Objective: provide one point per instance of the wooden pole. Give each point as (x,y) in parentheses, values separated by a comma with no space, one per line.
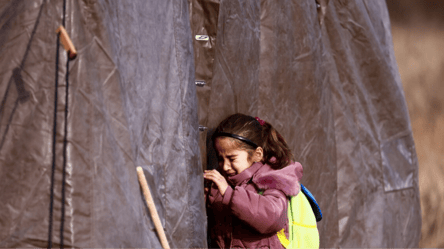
(152,208)
(67,43)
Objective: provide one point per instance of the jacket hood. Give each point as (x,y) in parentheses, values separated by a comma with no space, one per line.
(285,179)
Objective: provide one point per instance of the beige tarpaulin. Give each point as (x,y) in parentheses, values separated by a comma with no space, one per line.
(332,90)
(131,102)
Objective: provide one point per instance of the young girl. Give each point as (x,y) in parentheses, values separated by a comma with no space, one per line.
(256,176)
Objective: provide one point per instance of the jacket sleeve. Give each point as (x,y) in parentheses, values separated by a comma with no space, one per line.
(218,202)
(266,213)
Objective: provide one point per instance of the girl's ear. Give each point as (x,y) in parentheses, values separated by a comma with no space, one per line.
(258,154)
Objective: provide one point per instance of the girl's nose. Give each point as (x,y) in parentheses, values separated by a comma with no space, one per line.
(226,166)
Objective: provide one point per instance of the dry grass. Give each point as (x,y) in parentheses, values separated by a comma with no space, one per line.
(420,58)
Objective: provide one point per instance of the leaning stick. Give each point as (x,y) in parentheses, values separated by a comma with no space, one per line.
(152,208)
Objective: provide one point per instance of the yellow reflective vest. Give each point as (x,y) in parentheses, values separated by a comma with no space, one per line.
(303,213)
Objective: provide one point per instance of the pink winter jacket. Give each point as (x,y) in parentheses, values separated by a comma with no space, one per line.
(254,207)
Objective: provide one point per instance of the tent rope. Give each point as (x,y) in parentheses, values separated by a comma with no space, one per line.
(64,150)
(65,135)
(54,135)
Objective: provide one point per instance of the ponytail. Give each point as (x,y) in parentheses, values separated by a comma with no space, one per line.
(277,154)
(274,146)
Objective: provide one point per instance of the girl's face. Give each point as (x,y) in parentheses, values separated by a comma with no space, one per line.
(232,159)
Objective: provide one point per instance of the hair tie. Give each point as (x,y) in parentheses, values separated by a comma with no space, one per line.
(262,122)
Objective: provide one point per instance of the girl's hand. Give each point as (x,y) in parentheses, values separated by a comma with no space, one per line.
(218,179)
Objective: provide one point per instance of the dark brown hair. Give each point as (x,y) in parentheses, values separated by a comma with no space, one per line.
(264,136)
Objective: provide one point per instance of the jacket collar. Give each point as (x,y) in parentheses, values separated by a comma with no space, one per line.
(245,175)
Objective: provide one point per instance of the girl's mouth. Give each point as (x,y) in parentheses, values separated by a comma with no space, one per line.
(230,173)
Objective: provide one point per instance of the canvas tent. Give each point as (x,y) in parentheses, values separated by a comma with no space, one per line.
(322,72)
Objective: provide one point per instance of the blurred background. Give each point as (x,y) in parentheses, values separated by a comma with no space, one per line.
(418,37)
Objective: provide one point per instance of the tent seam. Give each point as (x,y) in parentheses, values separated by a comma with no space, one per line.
(181,79)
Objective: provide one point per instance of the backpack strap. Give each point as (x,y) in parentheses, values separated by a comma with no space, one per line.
(314,205)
